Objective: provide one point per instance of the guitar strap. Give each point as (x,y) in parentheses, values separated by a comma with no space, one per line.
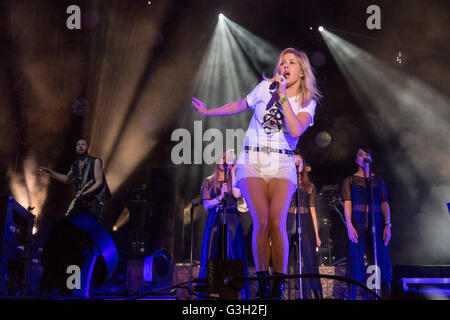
(86,173)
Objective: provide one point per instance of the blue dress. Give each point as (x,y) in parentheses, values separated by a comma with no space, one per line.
(210,243)
(356,189)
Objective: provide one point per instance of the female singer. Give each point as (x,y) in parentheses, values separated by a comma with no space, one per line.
(356,196)
(215,190)
(309,229)
(284,108)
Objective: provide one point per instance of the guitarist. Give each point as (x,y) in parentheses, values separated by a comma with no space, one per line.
(86,168)
(68,246)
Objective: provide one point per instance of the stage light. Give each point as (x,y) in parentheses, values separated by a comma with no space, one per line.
(231,67)
(323,139)
(29,189)
(80,107)
(320,28)
(117,135)
(399,58)
(221,16)
(122,220)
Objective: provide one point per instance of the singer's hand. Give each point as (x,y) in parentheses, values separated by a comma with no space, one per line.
(224,190)
(282,81)
(386,235)
(352,234)
(199,106)
(318,240)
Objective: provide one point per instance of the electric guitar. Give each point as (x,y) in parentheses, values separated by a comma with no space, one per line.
(77,196)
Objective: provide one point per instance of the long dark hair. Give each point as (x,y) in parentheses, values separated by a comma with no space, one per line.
(305,183)
(363,148)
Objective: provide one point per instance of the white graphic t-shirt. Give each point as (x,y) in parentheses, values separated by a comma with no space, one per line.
(267,127)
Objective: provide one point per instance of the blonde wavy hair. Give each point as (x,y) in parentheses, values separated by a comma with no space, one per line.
(307,89)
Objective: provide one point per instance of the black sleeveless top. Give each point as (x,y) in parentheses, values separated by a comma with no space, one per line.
(102,193)
(356,189)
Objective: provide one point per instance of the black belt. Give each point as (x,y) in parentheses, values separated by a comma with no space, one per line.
(267,150)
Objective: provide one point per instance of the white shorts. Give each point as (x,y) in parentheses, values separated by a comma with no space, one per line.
(254,164)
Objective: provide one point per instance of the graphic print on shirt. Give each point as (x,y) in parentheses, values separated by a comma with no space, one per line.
(273,121)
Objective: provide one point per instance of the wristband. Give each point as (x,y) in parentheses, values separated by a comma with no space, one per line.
(281,101)
(388,223)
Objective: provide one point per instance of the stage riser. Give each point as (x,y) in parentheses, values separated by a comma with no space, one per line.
(332,289)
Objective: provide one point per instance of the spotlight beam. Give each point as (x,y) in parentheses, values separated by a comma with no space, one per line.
(231,66)
(406,110)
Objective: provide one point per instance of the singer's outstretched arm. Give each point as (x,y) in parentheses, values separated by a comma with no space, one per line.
(226,110)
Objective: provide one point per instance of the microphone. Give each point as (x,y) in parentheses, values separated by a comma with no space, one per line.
(367,160)
(275,84)
(225,165)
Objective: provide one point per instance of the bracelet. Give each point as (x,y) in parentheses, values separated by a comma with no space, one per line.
(281,101)
(388,223)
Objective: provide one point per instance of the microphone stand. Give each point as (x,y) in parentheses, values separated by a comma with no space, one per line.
(374,237)
(223,227)
(191,272)
(299,236)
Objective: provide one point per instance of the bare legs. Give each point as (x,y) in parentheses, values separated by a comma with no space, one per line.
(255,192)
(280,195)
(268,204)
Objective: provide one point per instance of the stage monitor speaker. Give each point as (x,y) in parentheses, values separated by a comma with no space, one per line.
(77,241)
(157,267)
(16,234)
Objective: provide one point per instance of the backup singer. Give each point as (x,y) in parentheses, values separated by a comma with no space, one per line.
(284,108)
(356,196)
(215,190)
(309,230)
